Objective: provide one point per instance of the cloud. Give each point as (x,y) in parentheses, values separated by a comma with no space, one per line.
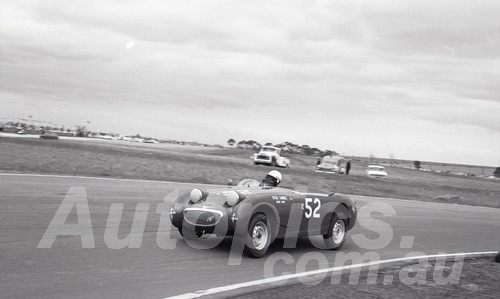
(432,28)
(364,72)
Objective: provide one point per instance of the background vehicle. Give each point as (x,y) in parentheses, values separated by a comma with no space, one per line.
(376,171)
(332,164)
(270,155)
(258,215)
(49,135)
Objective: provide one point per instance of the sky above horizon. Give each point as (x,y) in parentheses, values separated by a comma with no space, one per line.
(419,80)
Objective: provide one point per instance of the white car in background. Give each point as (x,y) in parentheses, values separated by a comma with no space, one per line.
(270,155)
(376,171)
(106,137)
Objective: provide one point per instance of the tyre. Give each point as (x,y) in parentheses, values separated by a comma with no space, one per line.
(337,234)
(259,236)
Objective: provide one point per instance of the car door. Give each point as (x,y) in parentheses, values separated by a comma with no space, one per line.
(312,213)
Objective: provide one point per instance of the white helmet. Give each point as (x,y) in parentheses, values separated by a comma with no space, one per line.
(275,174)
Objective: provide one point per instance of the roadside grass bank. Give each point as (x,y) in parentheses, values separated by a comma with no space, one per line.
(216,166)
(478,279)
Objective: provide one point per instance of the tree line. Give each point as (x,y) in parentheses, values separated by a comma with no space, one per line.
(286,147)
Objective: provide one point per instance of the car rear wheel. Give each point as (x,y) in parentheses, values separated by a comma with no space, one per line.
(337,234)
(259,236)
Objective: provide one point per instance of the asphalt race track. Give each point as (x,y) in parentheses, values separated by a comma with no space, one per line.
(66,270)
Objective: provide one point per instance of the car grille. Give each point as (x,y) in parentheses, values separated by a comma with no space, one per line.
(263,157)
(202,217)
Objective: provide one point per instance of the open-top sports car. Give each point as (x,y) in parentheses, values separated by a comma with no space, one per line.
(257,215)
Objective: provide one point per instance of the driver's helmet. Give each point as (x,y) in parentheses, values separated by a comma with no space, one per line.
(273,179)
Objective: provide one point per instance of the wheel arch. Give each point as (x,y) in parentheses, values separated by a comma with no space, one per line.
(272,216)
(271,213)
(342,211)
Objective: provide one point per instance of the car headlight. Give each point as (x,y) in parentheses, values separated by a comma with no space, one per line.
(196,195)
(233,197)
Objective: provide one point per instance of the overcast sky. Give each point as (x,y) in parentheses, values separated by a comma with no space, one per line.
(416,79)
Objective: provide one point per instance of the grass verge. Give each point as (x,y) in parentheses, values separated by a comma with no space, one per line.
(215,166)
(477,278)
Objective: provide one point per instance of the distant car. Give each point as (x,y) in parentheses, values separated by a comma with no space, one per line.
(49,135)
(106,137)
(376,171)
(257,215)
(332,164)
(151,141)
(270,155)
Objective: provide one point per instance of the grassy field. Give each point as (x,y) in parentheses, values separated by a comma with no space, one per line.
(433,166)
(215,165)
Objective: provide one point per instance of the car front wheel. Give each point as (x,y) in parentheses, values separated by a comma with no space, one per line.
(259,236)
(336,235)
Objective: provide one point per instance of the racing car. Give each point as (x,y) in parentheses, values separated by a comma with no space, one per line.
(258,214)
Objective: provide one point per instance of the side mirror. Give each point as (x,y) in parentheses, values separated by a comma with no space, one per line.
(229,182)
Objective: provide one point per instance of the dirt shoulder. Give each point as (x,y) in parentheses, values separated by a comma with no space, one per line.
(475,277)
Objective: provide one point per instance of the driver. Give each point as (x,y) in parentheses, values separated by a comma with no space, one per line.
(272,179)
